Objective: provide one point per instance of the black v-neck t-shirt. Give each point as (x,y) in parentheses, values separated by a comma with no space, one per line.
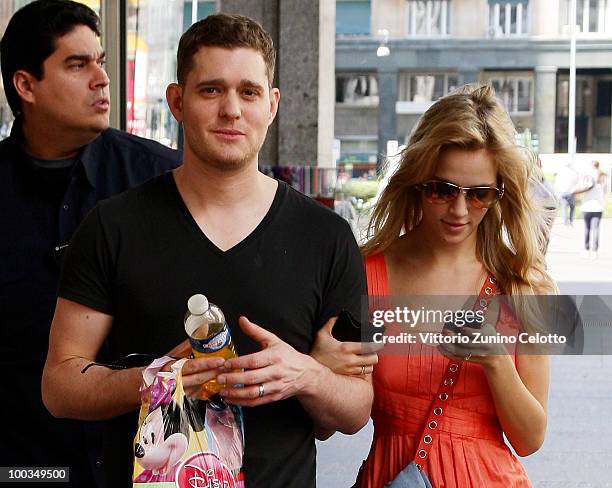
(141,255)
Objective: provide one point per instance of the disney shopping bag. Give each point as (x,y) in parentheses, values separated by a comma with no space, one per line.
(185,442)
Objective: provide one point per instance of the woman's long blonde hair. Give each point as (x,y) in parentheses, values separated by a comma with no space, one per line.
(511,235)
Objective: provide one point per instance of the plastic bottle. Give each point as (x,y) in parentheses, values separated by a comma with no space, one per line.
(209,335)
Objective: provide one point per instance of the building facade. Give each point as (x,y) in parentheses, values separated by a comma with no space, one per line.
(521,47)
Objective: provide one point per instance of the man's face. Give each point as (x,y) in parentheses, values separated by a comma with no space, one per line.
(225,106)
(73,93)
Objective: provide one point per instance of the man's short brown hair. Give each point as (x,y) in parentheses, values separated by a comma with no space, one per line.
(224,30)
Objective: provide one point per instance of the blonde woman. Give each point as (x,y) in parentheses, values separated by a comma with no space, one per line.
(454,219)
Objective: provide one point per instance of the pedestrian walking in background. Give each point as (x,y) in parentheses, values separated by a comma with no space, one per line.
(544,193)
(592,207)
(565,181)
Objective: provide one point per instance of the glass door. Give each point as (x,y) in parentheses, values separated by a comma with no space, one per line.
(154,28)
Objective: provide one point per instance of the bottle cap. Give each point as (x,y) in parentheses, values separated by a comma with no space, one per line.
(197,304)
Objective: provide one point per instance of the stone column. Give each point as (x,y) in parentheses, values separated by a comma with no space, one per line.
(327,83)
(112,40)
(547,17)
(298,75)
(544,107)
(266,13)
(387,116)
(302,133)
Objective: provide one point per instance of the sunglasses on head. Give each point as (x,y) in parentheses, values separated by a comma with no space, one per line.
(436,191)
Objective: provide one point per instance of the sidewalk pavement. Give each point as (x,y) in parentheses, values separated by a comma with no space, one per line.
(574,273)
(577,452)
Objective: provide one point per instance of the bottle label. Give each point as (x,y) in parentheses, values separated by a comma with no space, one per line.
(213,343)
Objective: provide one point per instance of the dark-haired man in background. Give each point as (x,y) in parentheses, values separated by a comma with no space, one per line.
(59,161)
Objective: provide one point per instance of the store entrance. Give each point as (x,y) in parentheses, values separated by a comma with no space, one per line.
(593,111)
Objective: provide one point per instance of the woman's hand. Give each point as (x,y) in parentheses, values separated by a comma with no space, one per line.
(483,347)
(348,358)
(480,344)
(519,390)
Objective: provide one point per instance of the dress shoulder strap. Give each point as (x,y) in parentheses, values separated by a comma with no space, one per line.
(437,408)
(376,275)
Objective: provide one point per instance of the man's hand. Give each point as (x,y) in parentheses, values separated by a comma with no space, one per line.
(198,371)
(182,350)
(195,371)
(276,372)
(347,358)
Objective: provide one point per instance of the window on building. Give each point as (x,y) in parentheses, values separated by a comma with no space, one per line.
(204,9)
(590,15)
(592,132)
(428,17)
(582,100)
(604,98)
(508,18)
(601,123)
(515,92)
(358,149)
(425,87)
(357,89)
(353,17)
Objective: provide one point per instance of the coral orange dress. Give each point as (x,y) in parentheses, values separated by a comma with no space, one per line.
(468,449)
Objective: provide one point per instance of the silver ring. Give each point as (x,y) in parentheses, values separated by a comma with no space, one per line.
(363,370)
(262,392)
(467,358)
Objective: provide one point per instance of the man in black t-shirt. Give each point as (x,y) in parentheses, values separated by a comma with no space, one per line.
(279,265)
(60,159)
